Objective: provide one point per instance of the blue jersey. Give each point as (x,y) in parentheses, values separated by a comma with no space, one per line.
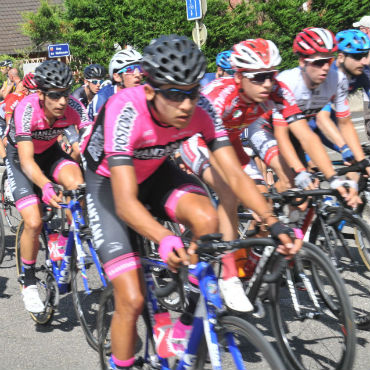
(99,99)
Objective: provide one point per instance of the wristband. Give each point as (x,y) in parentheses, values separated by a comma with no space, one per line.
(299,170)
(168,244)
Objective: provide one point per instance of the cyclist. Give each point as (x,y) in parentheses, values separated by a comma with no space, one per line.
(35,160)
(94,75)
(353,52)
(124,71)
(223,68)
(127,167)
(27,86)
(314,84)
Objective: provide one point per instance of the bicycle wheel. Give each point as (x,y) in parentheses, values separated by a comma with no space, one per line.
(364,211)
(46,284)
(254,350)
(86,300)
(309,333)
(350,240)
(11,214)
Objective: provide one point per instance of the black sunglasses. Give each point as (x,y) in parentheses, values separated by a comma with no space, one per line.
(358,56)
(56,95)
(179,95)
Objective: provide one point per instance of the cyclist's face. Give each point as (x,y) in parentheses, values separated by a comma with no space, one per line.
(55,107)
(94,87)
(132,79)
(173,113)
(354,63)
(256,84)
(316,67)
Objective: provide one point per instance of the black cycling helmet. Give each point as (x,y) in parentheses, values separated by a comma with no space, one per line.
(94,71)
(53,74)
(173,60)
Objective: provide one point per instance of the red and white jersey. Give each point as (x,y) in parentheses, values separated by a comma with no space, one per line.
(236,114)
(333,90)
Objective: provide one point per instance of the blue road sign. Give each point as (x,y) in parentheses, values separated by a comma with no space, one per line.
(193,10)
(59,50)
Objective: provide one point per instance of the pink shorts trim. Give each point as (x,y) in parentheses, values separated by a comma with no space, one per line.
(27,262)
(120,265)
(27,201)
(175,196)
(270,154)
(63,163)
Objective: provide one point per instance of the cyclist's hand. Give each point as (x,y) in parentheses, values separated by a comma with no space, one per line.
(172,251)
(347,154)
(50,196)
(304,180)
(347,189)
(291,239)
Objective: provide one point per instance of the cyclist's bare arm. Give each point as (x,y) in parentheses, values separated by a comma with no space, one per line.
(329,128)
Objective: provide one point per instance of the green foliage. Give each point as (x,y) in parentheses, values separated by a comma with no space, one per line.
(92,27)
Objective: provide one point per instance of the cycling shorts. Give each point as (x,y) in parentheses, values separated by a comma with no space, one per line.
(261,139)
(160,193)
(24,191)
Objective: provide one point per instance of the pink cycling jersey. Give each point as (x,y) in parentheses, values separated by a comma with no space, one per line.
(29,122)
(125,133)
(280,109)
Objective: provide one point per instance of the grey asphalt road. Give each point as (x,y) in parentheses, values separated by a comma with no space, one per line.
(61,345)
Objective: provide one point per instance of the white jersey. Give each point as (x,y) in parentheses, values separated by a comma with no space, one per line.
(334,90)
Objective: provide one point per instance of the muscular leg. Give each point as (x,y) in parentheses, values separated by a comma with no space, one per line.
(128,303)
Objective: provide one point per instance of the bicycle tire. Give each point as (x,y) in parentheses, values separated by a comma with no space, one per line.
(47,286)
(351,236)
(364,211)
(86,304)
(319,338)
(256,351)
(11,214)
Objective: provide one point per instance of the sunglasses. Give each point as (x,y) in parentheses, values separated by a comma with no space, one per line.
(178,95)
(96,82)
(56,95)
(260,77)
(131,69)
(320,62)
(358,56)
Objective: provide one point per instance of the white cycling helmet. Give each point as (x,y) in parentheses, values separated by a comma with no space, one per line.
(122,59)
(254,54)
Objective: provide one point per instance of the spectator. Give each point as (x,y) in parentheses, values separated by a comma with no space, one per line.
(363,24)
(5,66)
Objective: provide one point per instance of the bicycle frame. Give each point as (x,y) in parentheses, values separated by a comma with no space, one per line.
(61,270)
(209,308)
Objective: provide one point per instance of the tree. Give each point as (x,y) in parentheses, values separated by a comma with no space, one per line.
(93,27)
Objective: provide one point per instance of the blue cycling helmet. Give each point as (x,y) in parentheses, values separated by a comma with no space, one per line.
(352,42)
(223,59)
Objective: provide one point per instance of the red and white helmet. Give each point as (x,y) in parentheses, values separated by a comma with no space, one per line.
(314,40)
(254,54)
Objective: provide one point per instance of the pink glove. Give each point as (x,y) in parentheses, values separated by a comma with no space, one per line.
(48,192)
(168,244)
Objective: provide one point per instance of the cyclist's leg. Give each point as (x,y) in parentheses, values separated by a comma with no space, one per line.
(121,264)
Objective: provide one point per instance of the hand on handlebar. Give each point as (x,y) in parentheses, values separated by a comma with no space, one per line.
(347,189)
(172,251)
(289,246)
(51,194)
